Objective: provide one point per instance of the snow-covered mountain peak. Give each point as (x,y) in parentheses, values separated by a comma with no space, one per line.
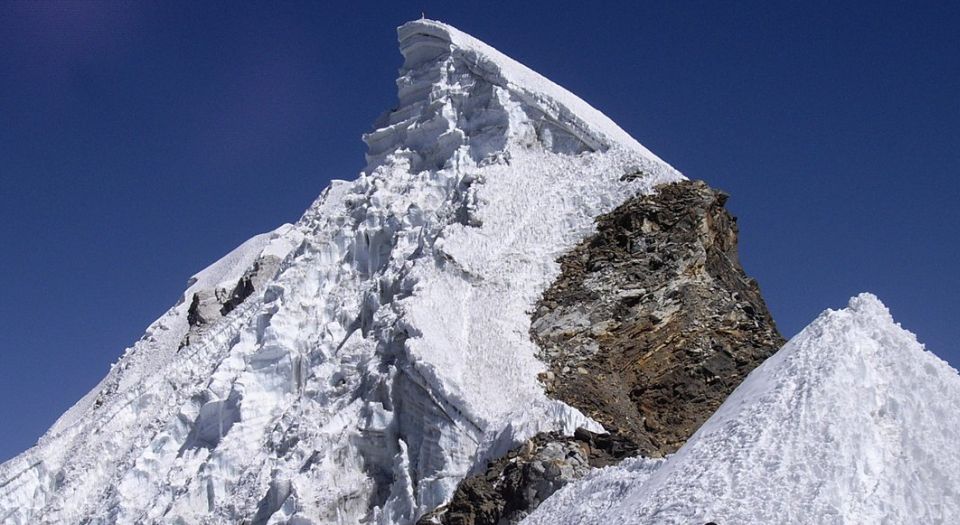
(461,102)
(870,307)
(359,365)
(852,421)
(355,366)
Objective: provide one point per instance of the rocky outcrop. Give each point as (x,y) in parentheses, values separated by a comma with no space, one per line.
(653,321)
(209,305)
(650,326)
(515,484)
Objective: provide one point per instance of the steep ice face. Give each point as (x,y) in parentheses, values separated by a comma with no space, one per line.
(455,91)
(379,349)
(851,422)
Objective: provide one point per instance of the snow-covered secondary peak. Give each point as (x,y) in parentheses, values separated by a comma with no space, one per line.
(355,366)
(852,421)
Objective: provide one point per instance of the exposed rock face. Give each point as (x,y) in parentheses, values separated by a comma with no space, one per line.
(516,484)
(653,321)
(650,326)
(207,306)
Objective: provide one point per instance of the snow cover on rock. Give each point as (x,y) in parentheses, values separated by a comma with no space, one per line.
(852,421)
(387,354)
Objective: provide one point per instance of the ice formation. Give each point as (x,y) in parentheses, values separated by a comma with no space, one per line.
(852,421)
(354,366)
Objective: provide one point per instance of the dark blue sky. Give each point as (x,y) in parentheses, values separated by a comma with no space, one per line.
(141,141)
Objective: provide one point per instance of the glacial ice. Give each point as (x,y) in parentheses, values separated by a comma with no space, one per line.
(852,421)
(384,351)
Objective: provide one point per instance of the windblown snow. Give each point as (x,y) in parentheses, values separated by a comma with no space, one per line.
(383,351)
(852,421)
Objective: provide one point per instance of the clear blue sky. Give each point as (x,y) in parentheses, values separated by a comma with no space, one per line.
(141,141)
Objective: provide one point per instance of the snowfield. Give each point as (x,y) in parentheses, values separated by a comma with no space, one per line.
(386,353)
(852,421)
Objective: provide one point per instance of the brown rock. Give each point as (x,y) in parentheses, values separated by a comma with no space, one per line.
(650,326)
(682,322)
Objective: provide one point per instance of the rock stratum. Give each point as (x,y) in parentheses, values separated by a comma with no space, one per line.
(653,321)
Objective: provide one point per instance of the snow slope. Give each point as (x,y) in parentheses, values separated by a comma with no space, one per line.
(387,354)
(851,422)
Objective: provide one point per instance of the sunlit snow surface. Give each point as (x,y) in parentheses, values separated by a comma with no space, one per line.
(851,422)
(389,355)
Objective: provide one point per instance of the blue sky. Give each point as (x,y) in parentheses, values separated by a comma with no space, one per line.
(141,141)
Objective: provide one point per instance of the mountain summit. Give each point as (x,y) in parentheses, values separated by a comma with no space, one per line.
(355,366)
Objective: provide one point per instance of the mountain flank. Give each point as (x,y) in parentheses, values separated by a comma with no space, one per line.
(650,326)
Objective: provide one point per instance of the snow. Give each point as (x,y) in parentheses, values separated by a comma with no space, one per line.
(171,327)
(555,102)
(231,266)
(388,355)
(596,493)
(28,481)
(852,421)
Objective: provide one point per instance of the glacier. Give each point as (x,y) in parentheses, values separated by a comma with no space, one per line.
(354,366)
(852,421)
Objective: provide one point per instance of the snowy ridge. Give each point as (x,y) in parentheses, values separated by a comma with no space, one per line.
(143,375)
(172,325)
(387,352)
(851,422)
(423,40)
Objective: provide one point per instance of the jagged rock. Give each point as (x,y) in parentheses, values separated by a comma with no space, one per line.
(206,306)
(650,326)
(653,321)
(515,484)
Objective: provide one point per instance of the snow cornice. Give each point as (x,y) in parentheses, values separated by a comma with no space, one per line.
(423,40)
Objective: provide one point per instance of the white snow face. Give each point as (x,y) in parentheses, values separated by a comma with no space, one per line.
(851,422)
(388,353)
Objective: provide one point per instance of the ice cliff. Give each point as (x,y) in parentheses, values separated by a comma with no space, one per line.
(355,366)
